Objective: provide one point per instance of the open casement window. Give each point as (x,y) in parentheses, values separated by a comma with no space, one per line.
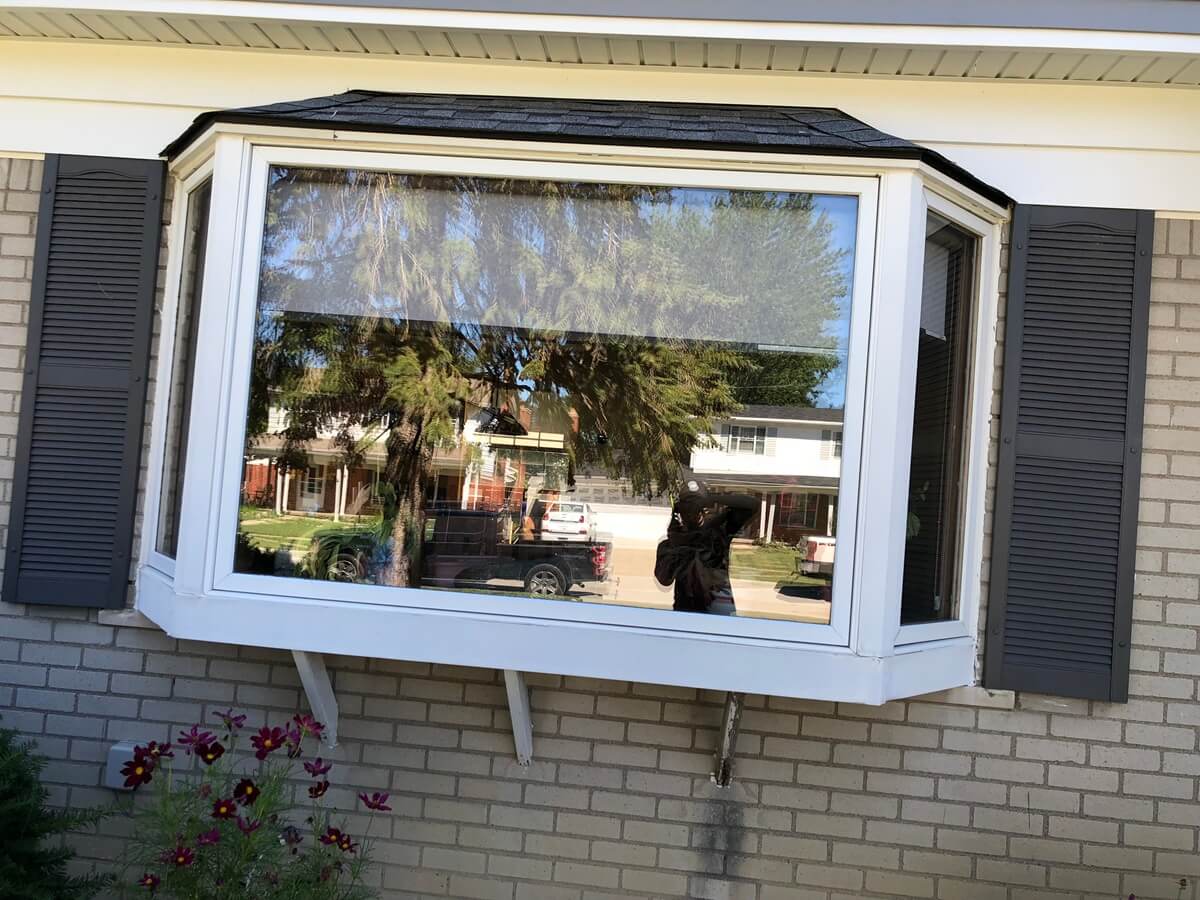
(528,410)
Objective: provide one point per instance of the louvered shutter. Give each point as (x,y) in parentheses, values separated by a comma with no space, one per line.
(772,439)
(1061,596)
(826,444)
(82,401)
(724,438)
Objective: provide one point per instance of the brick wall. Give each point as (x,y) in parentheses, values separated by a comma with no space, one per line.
(959,796)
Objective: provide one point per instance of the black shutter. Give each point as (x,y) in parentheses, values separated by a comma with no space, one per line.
(83,398)
(1060,604)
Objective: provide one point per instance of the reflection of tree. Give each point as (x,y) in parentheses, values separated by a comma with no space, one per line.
(389,301)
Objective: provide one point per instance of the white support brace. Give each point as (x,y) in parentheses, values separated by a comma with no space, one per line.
(319,691)
(518,710)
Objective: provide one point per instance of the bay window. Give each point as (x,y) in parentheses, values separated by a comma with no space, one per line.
(492,406)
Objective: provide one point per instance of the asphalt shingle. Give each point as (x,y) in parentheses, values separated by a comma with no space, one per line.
(811,130)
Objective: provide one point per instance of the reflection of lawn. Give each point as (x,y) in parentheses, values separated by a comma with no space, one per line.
(286,532)
(775,564)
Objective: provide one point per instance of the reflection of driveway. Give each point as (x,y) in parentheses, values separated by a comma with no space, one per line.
(632,583)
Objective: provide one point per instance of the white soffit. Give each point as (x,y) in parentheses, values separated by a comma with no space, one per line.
(1038,55)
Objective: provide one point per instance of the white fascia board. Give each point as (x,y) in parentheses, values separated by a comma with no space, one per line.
(635,27)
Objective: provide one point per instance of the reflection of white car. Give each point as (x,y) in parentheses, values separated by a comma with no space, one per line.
(568,521)
(818,559)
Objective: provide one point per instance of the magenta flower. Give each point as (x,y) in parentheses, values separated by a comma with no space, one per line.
(155,751)
(376,801)
(224,809)
(309,726)
(150,882)
(183,856)
(317,767)
(248,828)
(346,845)
(209,753)
(317,791)
(293,737)
(267,741)
(205,838)
(190,739)
(233,723)
(331,836)
(246,792)
(138,771)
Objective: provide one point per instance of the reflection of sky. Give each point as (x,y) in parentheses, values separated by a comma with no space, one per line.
(760,324)
(842,212)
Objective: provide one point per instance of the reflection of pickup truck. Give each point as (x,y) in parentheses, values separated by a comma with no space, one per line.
(463,548)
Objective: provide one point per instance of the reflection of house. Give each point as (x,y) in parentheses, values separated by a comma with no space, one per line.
(789,456)
(494,459)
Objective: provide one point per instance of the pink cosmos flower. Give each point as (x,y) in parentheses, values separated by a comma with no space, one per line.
(267,741)
(376,801)
(317,767)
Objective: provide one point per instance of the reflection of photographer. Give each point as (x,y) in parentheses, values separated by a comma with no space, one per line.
(695,554)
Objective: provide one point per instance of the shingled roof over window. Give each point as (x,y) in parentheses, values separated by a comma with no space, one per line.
(778,129)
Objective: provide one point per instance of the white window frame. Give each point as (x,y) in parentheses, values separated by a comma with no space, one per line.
(855,657)
(172,297)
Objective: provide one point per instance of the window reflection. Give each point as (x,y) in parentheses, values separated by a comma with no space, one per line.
(594,392)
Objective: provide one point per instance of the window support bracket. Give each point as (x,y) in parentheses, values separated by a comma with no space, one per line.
(519,712)
(319,691)
(727,738)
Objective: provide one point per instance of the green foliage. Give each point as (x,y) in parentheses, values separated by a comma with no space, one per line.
(33,863)
(205,836)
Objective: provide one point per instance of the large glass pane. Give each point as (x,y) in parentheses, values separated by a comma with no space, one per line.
(601,393)
(939,419)
(183,364)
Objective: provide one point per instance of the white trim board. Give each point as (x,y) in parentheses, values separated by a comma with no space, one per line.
(646,27)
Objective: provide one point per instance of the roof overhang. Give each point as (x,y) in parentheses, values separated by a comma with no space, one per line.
(1155,42)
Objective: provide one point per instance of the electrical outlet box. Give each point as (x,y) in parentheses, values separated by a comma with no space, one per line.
(118,754)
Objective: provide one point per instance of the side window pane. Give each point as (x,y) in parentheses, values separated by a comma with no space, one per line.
(936,471)
(182,369)
(556,389)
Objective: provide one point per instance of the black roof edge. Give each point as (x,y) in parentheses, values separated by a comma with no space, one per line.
(932,158)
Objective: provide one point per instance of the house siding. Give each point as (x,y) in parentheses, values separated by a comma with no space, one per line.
(965,795)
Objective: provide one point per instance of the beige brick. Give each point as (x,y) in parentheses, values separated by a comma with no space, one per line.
(937,863)
(900,833)
(936,813)
(900,885)
(1010,770)
(1118,858)
(1051,750)
(1160,837)
(972,791)
(1126,758)
(1020,822)
(1086,830)
(1170,787)
(1119,808)
(1010,873)
(1042,850)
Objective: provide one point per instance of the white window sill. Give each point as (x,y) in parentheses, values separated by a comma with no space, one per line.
(687,659)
